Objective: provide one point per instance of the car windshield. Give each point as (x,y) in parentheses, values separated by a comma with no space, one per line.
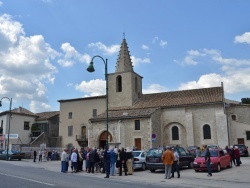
(213,153)
(136,153)
(241,146)
(155,152)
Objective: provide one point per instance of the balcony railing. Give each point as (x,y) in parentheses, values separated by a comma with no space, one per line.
(81,138)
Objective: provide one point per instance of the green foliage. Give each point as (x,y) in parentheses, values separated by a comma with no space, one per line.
(245,100)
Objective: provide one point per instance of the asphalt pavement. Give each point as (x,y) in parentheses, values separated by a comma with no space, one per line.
(233,177)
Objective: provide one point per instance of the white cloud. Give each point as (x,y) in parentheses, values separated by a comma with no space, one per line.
(163,43)
(108,50)
(245,38)
(25,63)
(154,88)
(145,47)
(136,61)
(71,56)
(36,107)
(155,39)
(234,73)
(93,87)
(1,3)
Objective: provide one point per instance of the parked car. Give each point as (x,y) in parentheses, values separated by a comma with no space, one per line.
(192,150)
(219,159)
(154,158)
(12,154)
(242,149)
(139,161)
(213,146)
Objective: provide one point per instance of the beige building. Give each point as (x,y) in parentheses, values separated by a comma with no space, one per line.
(185,118)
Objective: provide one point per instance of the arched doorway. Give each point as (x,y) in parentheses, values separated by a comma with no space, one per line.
(102,139)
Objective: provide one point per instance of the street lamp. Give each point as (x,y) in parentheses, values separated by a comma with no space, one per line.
(91,69)
(8,141)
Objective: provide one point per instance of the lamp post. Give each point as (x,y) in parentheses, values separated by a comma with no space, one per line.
(8,141)
(91,69)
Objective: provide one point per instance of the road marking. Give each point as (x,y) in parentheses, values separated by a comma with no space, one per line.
(27,179)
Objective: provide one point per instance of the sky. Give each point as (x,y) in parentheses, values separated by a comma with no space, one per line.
(46,46)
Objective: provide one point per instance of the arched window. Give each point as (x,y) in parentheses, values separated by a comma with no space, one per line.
(175,133)
(233,117)
(119,84)
(206,132)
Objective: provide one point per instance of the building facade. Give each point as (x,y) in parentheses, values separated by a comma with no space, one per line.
(186,118)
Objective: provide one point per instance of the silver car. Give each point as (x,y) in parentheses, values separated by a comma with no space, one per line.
(139,160)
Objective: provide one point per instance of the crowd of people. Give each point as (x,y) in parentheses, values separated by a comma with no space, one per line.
(97,160)
(46,155)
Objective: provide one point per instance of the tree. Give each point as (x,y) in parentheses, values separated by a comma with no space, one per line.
(245,100)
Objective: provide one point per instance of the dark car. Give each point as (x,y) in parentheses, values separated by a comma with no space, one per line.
(12,154)
(154,158)
(242,149)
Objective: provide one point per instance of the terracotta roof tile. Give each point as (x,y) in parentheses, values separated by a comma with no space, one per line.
(46,115)
(148,103)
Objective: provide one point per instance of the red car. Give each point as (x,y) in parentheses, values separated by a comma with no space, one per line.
(219,159)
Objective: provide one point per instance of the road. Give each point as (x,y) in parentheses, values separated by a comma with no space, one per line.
(26,174)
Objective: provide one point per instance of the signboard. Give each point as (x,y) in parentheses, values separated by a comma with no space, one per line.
(11,136)
(153,137)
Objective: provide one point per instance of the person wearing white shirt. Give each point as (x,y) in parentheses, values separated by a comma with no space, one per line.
(175,165)
(74,160)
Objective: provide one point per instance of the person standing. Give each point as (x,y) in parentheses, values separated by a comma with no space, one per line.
(34,156)
(74,161)
(168,159)
(40,153)
(106,158)
(232,154)
(208,162)
(175,166)
(112,162)
(129,162)
(123,159)
(237,155)
(64,157)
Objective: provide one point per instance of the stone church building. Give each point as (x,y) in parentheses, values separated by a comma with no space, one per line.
(186,118)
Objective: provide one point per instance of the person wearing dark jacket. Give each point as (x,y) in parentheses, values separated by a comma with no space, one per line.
(208,162)
(106,158)
(92,157)
(35,154)
(123,159)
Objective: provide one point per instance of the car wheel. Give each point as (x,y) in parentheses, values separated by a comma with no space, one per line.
(152,170)
(143,167)
(196,170)
(19,159)
(190,165)
(218,168)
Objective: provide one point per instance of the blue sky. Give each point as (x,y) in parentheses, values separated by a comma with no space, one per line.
(46,46)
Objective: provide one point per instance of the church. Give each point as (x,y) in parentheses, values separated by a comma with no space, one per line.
(185,118)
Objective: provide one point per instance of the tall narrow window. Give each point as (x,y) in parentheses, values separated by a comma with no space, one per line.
(26,125)
(137,125)
(70,130)
(119,84)
(70,115)
(175,133)
(248,135)
(136,85)
(233,117)
(94,112)
(206,132)
(1,127)
(84,132)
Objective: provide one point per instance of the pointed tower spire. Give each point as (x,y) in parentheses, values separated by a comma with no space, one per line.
(124,62)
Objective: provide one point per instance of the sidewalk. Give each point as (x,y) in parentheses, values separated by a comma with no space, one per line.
(236,176)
